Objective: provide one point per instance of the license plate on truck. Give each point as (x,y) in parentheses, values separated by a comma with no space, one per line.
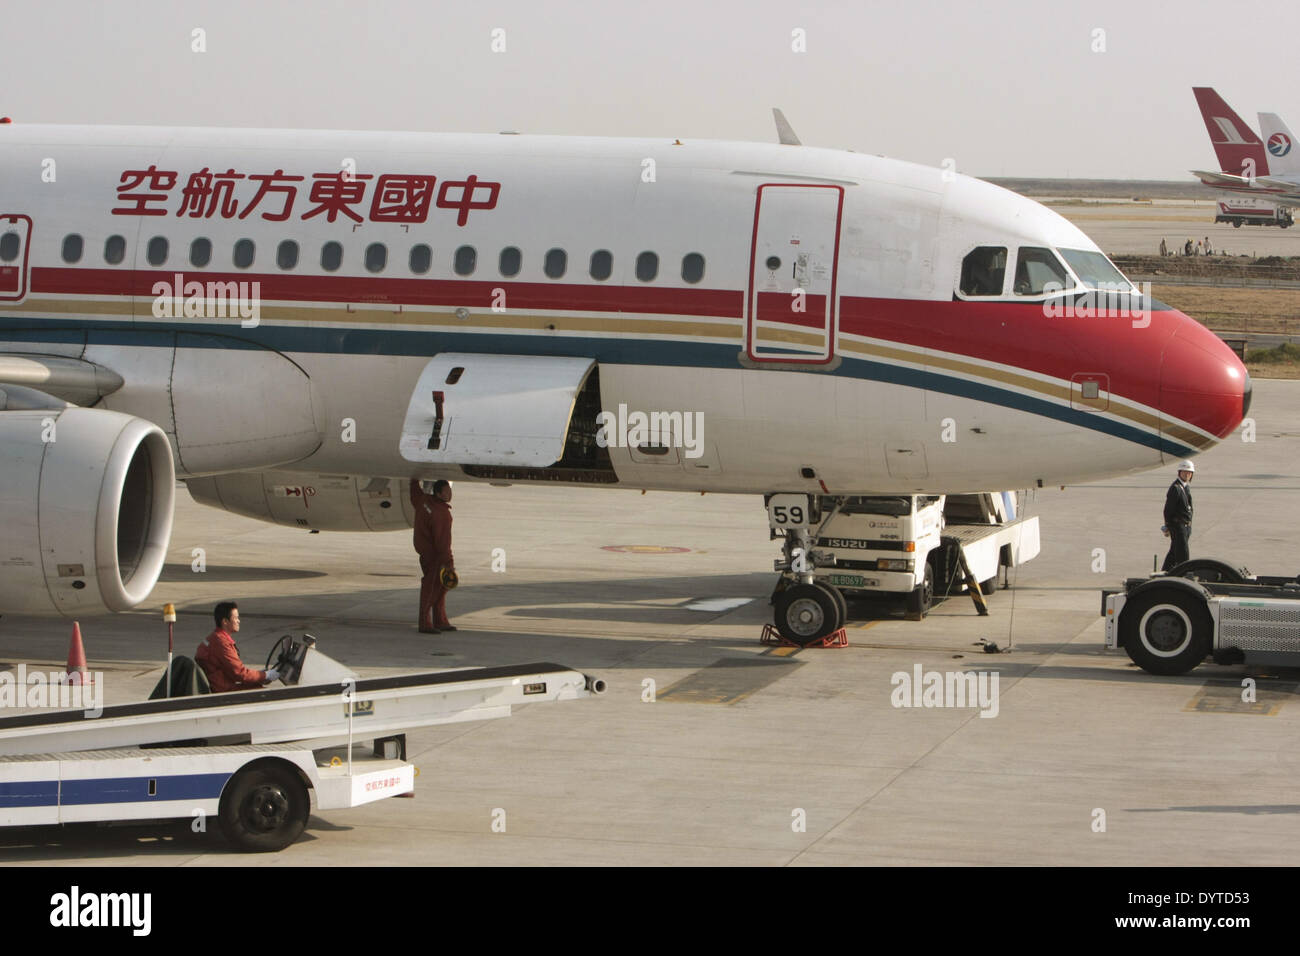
(852,581)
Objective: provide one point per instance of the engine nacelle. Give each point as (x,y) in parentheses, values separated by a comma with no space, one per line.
(317,502)
(86,499)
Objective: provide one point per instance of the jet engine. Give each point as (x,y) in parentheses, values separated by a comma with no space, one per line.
(86,500)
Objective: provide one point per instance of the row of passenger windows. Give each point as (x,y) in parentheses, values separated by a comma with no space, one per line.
(464,261)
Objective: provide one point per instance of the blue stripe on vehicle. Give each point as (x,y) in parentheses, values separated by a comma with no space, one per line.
(621,350)
(191,786)
(29,793)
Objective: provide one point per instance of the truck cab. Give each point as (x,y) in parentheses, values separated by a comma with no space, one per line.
(914,545)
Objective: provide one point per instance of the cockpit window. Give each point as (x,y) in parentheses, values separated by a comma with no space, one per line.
(983,271)
(1036,268)
(1095,271)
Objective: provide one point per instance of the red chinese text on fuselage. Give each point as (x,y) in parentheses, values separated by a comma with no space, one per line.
(393,197)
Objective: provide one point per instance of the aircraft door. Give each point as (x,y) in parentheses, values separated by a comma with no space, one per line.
(15,239)
(791,306)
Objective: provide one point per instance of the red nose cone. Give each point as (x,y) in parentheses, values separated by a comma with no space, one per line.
(1203,384)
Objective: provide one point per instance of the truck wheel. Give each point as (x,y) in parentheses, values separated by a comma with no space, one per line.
(1166,631)
(264,808)
(920,600)
(840,601)
(806,613)
(1208,569)
(1236,224)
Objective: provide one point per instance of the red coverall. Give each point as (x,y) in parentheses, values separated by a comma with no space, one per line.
(433,544)
(219,658)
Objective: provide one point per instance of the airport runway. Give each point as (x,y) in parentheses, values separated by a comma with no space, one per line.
(741,743)
(1123,227)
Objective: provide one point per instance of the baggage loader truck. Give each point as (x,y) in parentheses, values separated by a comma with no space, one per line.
(916,546)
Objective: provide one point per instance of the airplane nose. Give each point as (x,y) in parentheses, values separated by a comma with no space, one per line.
(1204,388)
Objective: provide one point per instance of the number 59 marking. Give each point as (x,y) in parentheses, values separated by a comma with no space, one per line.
(789,511)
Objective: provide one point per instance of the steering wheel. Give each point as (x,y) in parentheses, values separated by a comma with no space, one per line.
(285,656)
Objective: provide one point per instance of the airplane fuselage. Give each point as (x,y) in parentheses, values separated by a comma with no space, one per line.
(805,306)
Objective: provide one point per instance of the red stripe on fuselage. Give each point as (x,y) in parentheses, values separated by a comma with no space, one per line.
(428,292)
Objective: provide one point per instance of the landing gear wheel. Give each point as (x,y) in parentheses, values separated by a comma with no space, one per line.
(921,599)
(840,601)
(1208,569)
(264,808)
(806,613)
(1166,631)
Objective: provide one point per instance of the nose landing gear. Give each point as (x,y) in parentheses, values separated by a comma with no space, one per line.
(805,610)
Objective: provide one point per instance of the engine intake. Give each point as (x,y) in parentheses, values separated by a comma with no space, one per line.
(86,499)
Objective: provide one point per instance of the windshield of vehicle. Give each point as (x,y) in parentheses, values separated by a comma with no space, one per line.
(1095,271)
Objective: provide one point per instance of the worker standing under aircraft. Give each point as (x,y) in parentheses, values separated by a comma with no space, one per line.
(1178,517)
(433,544)
(218,655)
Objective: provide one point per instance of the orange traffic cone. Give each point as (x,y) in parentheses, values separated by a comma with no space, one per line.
(77,672)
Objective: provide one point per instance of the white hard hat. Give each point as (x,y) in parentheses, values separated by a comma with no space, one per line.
(1187,466)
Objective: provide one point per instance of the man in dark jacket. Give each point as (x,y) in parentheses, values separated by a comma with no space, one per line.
(218,655)
(1178,517)
(433,544)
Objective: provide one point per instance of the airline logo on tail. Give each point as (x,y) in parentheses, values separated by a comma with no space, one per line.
(1238,149)
(1279,144)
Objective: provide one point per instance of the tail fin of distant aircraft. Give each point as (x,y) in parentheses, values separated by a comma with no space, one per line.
(1283,157)
(1235,143)
(784,131)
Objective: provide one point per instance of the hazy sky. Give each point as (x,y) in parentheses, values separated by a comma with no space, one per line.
(1005,88)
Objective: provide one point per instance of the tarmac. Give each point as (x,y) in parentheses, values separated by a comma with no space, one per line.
(710,748)
(1123,227)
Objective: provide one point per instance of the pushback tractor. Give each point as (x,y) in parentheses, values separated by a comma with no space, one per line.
(1169,623)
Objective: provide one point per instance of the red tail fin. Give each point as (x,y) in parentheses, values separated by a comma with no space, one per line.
(1239,150)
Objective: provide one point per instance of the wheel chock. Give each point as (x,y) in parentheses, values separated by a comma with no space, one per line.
(771,635)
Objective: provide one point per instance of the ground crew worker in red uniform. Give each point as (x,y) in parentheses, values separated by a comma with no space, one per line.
(218,655)
(433,544)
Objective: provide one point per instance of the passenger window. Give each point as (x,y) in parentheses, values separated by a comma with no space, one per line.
(647,266)
(286,254)
(376,257)
(244,252)
(9,245)
(465,260)
(983,271)
(693,267)
(72,248)
(1035,268)
(200,252)
(602,265)
(510,262)
(557,260)
(331,256)
(114,250)
(156,251)
(421,259)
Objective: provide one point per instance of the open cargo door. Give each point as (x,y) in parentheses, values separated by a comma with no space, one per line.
(470,409)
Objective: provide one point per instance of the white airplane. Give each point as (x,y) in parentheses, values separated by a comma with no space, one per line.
(1246,163)
(279,316)
(1283,157)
